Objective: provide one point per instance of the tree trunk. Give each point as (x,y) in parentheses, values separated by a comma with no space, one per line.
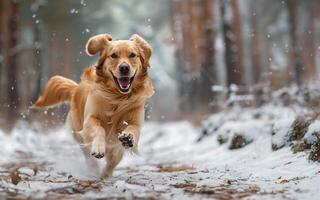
(232,49)
(309,54)
(66,60)
(53,57)
(207,59)
(12,67)
(316,13)
(296,50)
(188,81)
(193,27)
(1,51)
(237,30)
(5,45)
(37,54)
(182,26)
(255,49)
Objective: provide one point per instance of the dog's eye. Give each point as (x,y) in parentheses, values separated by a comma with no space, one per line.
(132,55)
(114,55)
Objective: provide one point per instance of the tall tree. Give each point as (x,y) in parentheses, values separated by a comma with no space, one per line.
(309,53)
(12,100)
(206,37)
(188,83)
(5,43)
(66,60)
(194,31)
(255,44)
(231,27)
(179,28)
(1,50)
(293,34)
(9,30)
(238,44)
(37,54)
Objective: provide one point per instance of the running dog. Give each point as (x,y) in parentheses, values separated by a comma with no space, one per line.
(107,106)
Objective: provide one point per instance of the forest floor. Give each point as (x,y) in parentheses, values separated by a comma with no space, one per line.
(171,165)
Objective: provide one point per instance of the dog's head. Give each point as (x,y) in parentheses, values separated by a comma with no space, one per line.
(122,61)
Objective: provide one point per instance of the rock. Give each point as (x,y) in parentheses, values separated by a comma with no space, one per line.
(311,96)
(276,147)
(315,151)
(285,98)
(299,147)
(284,134)
(280,133)
(239,141)
(298,128)
(204,133)
(209,128)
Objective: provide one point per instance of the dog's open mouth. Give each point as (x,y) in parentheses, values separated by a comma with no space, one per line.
(124,83)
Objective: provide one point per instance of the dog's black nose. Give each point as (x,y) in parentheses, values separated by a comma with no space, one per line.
(124,69)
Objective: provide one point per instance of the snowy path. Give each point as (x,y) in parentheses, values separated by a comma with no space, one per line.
(171,165)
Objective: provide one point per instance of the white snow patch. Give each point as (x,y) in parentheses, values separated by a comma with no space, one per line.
(175,144)
(313,132)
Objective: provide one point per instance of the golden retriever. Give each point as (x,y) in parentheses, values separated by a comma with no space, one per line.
(107,107)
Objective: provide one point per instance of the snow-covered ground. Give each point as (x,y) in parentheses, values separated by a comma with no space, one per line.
(171,163)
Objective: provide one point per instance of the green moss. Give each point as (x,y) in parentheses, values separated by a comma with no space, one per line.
(222,139)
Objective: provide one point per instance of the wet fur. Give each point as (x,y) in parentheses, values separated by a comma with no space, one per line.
(100,114)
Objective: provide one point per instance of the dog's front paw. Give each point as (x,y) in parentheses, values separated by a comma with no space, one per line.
(98,148)
(126,139)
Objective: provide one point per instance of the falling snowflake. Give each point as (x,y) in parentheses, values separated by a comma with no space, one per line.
(83,3)
(74,11)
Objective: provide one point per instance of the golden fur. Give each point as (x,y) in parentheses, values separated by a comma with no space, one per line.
(100,112)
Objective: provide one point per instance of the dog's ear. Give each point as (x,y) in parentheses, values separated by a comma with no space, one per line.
(97,43)
(145,49)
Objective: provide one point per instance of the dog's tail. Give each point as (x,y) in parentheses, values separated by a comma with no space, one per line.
(58,90)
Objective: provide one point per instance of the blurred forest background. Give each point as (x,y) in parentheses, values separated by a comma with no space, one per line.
(208,54)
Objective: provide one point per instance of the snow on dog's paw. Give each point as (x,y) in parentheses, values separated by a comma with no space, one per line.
(126,139)
(98,148)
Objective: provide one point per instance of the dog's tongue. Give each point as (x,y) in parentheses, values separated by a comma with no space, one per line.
(124,82)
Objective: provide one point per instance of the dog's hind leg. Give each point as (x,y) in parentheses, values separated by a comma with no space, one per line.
(85,148)
(113,159)
(91,162)
(74,126)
